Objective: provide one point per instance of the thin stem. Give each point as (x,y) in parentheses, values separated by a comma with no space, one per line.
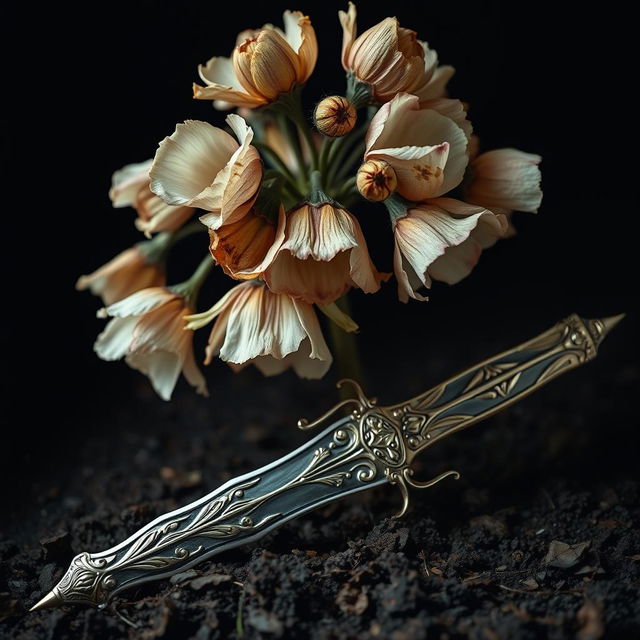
(191,288)
(325,153)
(304,129)
(345,347)
(294,142)
(355,156)
(348,188)
(275,160)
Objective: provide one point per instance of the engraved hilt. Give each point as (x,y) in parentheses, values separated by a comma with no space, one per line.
(396,434)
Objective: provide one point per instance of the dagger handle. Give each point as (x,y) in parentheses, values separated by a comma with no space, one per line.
(396,434)
(492,385)
(332,465)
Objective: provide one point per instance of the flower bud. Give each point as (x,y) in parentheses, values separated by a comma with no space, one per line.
(334,116)
(376,180)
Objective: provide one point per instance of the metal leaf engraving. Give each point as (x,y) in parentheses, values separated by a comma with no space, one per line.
(169,544)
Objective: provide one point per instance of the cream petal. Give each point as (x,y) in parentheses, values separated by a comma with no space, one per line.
(309,320)
(310,280)
(161,216)
(308,50)
(219,71)
(193,374)
(339,317)
(308,367)
(349,29)
(139,303)
(404,124)
(161,367)
(113,343)
(457,262)
(226,96)
(187,163)
(236,186)
(507,179)
(162,329)
(408,281)
(452,109)
(420,171)
(126,182)
(320,232)
(436,87)
(262,323)
(363,272)
(216,337)
(490,229)
(428,230)
(293,29)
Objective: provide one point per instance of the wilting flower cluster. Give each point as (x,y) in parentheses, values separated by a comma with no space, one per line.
(275,192)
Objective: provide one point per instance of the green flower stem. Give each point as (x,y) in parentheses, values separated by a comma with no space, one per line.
(277,162)
(347,189)
(293,139)
(397,207)
(191,288)
(349,164)
(290,104)
(157,249)
(345,347)
(325,153)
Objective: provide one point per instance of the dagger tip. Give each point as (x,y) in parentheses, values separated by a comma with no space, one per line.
(50,601)
(611,322)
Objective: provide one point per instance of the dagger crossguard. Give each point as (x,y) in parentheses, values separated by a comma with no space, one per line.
(370,447)
(395,435)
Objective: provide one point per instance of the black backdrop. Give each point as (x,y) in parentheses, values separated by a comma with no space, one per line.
(98,87)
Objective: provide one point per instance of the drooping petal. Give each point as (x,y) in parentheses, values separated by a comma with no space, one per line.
(125,274)
(428,230)
(139,303)
(362,270)
(259,324)
(408,282)
(310,280)
(113,343)
(161,367)
(309,321)
(247,247)
(457,262)
(507,179)
(155,215)
(320,232)
(126,182)
(193,374)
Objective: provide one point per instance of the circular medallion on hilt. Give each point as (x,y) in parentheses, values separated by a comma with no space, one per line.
(383,439)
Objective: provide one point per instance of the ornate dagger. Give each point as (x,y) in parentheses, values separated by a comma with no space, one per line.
(371,446)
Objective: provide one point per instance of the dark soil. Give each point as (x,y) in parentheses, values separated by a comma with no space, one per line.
(539,539)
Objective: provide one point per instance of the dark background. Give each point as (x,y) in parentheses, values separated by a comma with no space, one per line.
(97,88)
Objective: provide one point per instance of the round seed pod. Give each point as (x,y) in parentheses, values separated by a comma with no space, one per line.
(376,180)
(334,116)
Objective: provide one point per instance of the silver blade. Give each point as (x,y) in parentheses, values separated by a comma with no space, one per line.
(330,466)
